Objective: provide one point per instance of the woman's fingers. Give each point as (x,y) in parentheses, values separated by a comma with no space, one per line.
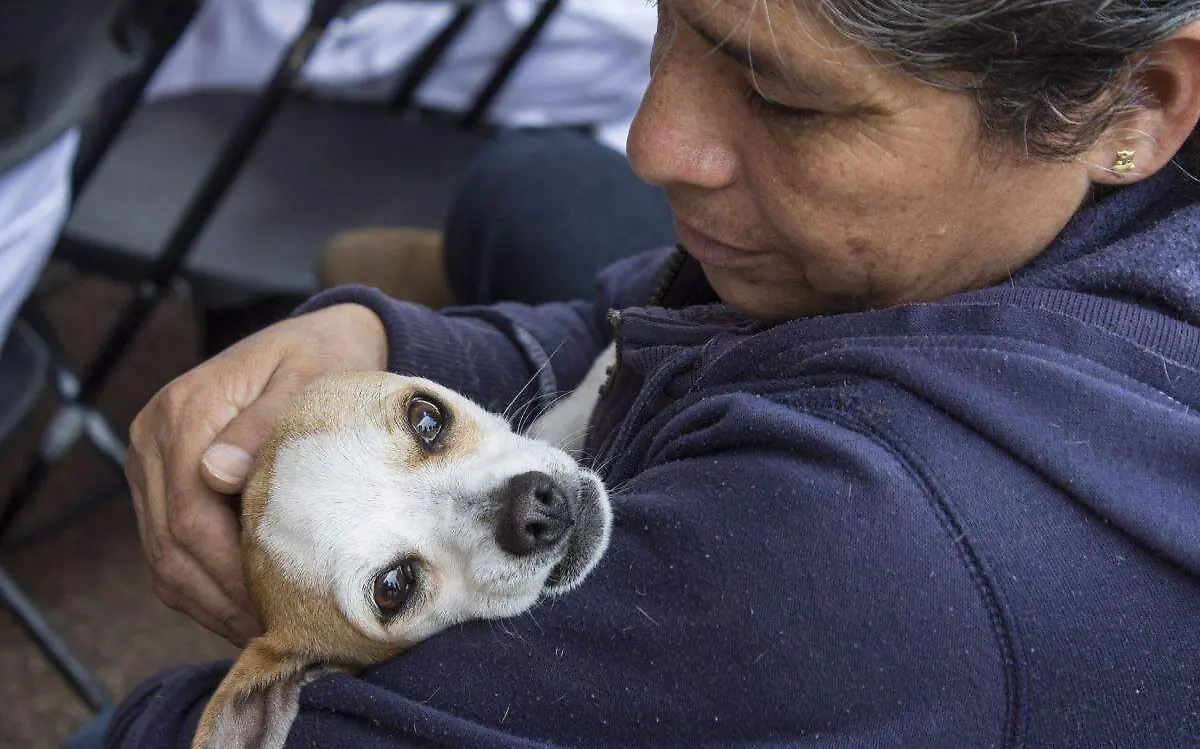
(202,532)
(227,462)
(204,564)
(194,554)
(194,443)
(189,533)
(171,571)
(184,584)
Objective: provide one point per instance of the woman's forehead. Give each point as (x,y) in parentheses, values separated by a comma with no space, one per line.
(779,41)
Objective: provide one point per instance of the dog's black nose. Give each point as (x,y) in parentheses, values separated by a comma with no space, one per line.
(534,514)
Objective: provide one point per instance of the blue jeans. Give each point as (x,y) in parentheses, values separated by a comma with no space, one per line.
(540,212)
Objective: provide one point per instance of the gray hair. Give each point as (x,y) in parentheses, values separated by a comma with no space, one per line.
(1051,75)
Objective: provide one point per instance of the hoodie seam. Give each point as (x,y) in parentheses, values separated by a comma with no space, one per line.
(1004,630)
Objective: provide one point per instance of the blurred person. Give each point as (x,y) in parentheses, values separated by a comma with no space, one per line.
(57,57)
(588,68)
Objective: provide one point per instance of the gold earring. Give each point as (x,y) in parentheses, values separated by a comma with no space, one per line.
(1124,163)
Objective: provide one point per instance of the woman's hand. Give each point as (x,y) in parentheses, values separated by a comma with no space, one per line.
(191,447)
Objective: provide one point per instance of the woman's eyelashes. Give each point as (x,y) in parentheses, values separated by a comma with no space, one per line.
(763,104)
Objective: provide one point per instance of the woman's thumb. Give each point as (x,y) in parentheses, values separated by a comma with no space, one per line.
(225,467)
(228,460)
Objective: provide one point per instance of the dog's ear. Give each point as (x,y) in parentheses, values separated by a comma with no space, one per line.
(257,701)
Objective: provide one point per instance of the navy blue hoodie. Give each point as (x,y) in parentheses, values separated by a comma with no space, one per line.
(967,523)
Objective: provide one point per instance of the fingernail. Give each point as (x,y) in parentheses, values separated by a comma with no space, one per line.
(227,463)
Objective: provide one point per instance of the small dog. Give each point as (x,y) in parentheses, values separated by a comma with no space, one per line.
(384,509)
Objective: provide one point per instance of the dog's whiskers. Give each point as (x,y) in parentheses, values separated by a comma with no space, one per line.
(519,417)
(525,408)
(570,438)
(536,623)
(507,628)
(532,378)
(619,488)
(603,467)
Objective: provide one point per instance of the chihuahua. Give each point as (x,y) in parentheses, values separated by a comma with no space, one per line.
(383,509)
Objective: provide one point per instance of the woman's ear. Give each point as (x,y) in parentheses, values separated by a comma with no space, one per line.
(1145,140)
(257,701)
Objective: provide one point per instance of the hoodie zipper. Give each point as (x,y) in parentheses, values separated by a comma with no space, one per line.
(674,263)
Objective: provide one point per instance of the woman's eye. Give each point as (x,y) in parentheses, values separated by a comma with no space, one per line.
(393,587)
(761,103)
(426,420)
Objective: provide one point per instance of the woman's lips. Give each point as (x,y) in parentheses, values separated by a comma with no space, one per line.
(711,252)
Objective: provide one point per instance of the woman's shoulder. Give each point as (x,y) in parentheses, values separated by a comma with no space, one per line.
(1041,443)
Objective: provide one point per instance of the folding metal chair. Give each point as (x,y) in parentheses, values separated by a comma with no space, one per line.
(316,167)
(205,242)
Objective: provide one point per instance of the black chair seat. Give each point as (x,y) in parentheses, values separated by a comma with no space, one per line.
(320,168)
(24,364)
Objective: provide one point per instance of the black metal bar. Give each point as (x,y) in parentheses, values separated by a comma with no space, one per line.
(55,648)
(428,57)
(509,64)
(207,198)
(35,473)
(87,505)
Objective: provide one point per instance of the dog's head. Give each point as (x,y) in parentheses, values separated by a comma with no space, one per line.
(382,510)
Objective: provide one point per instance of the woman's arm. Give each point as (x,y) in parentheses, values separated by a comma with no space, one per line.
(774,578)
(499,356)
(506,354)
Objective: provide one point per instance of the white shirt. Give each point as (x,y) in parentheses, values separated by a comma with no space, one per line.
(590,64)
(34,200)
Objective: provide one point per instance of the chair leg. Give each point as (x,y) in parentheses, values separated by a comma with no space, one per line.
(52,645)
(35,473)
(70,423)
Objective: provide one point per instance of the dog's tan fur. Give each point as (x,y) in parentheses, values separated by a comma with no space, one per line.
(289,612)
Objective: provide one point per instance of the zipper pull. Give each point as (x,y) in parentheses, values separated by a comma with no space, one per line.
(614,319)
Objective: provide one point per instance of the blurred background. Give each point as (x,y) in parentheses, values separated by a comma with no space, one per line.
(169,173)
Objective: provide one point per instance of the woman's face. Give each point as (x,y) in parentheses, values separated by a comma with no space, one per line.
(849,186)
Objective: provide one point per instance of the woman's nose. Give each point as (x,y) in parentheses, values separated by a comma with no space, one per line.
(679,136)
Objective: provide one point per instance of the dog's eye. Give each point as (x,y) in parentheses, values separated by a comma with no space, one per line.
(426,420)
(393,587)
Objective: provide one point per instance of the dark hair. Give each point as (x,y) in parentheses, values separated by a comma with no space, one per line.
(1051,75)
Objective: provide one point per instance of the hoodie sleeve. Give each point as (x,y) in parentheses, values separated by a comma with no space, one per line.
(774,579)
(505,353)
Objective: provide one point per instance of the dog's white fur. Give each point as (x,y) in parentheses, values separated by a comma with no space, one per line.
(565,424)
(344,490)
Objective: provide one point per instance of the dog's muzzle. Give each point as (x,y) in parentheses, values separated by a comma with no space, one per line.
(535,514)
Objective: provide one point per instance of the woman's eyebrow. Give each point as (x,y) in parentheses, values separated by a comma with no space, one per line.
(759,65)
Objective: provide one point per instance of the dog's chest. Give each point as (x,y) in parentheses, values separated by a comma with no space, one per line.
(565,423)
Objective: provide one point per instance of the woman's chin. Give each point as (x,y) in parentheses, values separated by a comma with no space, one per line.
(757,297)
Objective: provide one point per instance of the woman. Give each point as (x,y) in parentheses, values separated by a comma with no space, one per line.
(905,435)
